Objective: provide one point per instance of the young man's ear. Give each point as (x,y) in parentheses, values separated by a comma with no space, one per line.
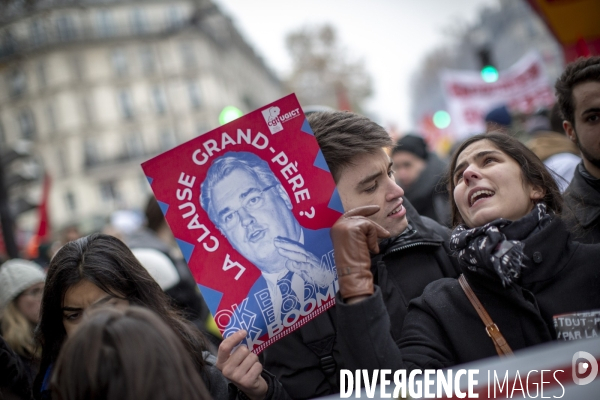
(570,130)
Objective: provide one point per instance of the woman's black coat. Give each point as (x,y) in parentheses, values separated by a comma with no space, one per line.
(443,329)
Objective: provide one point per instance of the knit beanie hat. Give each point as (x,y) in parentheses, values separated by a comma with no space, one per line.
(413,144)
(17,275)
(500,116)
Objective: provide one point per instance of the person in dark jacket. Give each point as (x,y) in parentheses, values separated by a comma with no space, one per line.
(578,92)
(119,340)
(307,361)
(420,174)
(100,269)
(15,382)
(515,253)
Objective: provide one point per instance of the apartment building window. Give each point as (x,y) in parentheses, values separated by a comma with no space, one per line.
(194,92)
(91,152)
(108,191)
(188,55)
(65,27)
(86,108)
(17,82)
(27,124)
(51,119)
(147,60)
(41,74)
(159,100)
(138,21)
(119,62)
(77,66)
(61,161)
(70,201)
(37,32)
(105,24)
(9,43)
(175,17)
(126,104)
(134,145)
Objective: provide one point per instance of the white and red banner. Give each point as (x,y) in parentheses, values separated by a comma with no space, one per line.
(524,87)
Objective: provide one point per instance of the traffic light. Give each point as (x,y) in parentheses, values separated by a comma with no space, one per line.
(489,73)
(441,119)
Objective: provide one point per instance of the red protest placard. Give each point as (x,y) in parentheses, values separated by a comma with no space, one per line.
(250,204)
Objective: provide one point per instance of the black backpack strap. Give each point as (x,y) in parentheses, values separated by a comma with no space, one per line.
(319,336)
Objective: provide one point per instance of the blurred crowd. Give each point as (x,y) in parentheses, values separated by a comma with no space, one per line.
(513,212)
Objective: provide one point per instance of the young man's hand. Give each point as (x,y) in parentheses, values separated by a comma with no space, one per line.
(354,237)
(241,366)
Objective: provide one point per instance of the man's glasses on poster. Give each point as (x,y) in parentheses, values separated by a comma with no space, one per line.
(253,201)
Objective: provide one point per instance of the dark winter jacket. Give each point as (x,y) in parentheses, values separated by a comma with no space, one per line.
(15,377)
(560,276)
(308,361)
(582,206)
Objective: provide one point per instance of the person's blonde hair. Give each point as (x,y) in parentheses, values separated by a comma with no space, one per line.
(17,331)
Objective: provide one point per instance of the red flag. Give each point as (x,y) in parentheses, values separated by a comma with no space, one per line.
(32,248)
(44,226)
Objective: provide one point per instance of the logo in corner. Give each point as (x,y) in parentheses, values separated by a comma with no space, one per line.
(271,116)
(580,367)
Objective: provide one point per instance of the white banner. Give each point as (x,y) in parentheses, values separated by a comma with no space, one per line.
(523,87)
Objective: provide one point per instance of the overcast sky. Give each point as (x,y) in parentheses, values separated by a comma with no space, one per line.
(392,36)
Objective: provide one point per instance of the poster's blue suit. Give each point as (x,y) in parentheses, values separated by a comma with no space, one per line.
(256,315)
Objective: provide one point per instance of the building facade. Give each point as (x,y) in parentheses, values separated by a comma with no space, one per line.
(99,86)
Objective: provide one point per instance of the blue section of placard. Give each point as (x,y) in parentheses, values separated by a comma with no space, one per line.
(320,162)
(212,298)
(186,249)
(335,203)
(306,127)
(163,207)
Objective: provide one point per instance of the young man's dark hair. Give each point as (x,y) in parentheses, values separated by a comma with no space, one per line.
(344,135)
(579,71)
(374,291)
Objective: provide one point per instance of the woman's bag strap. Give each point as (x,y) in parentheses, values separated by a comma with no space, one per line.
(502,347)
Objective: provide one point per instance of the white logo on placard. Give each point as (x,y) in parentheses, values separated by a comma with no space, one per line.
(271,116)
(580,367)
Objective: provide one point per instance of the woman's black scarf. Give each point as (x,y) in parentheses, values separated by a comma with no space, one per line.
(496,246)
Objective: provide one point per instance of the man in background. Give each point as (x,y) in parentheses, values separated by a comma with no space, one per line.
(420,173)
(578,93)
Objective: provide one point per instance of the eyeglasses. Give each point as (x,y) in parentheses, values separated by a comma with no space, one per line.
(35,292)
(252,201)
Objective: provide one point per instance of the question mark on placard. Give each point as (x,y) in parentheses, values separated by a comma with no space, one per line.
(306,214)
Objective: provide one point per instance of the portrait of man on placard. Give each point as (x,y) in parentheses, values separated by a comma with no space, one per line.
(249,205)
